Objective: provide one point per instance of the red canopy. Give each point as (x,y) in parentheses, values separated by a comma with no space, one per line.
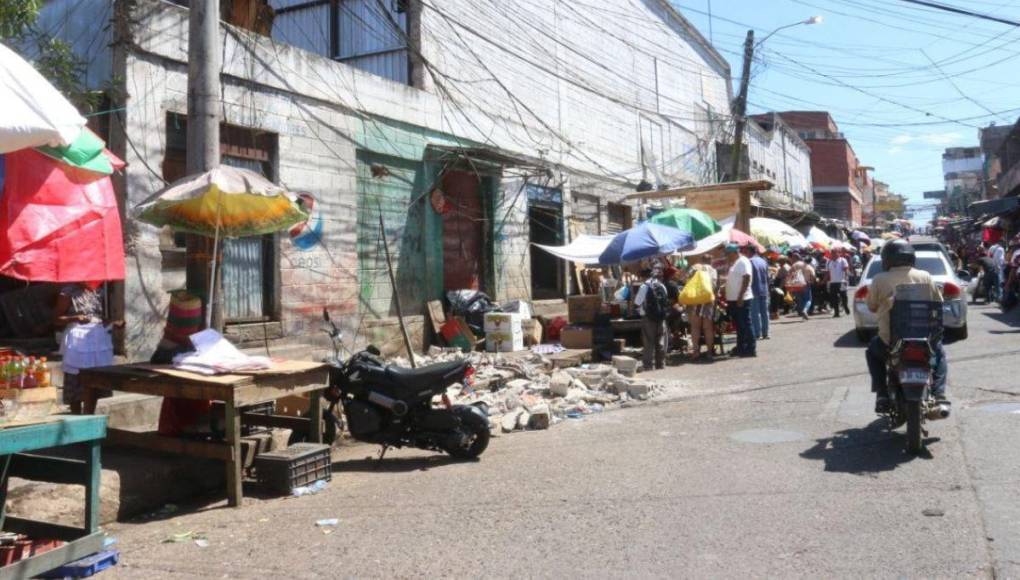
(61,223)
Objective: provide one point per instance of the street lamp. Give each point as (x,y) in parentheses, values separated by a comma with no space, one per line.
(740,109)
(813,20)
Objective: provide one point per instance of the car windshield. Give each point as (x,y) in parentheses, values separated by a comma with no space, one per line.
(934,265)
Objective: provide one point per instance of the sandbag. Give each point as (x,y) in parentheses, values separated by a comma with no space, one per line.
(34,113)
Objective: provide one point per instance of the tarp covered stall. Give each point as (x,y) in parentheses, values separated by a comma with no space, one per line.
(585,249)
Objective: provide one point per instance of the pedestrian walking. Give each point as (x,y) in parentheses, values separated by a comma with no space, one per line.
(738,300)
(838,279)
(702,316)
(654,304)
(760,289)
(799,284)
(820,287)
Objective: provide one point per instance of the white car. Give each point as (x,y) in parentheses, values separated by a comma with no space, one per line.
(954,292)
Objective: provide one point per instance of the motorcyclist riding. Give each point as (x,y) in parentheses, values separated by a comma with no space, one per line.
(898,268)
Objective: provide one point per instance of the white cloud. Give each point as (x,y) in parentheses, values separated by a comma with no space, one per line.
(895,150)
(937,139)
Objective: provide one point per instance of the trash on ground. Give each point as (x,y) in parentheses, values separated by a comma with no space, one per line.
(328,522)
(309,489)
(184,537)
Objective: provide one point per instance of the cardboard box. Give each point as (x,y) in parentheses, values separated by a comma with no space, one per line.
(496,341)
(577,337)
(502,322)
(583,309)
(532,331)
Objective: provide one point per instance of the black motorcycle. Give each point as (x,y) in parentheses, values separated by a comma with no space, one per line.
(393,406)
(916,325)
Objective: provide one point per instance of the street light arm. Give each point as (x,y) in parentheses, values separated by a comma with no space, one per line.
(808,22)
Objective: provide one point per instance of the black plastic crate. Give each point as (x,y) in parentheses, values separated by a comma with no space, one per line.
(298,465)
(915,319)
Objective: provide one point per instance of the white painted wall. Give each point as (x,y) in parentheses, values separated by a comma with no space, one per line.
(781,157)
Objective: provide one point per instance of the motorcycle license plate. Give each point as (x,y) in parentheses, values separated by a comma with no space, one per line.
(913,376)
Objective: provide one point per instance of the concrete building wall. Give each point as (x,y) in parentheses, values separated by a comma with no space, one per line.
(777,154)
(592,122)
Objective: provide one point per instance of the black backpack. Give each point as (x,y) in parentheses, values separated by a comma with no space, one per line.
(656,301)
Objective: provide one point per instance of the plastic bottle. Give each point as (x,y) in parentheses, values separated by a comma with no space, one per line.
(41,372)
(47,374)
(19,372)
(28,377)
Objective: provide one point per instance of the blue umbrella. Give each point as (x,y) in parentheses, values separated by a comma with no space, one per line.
(644,241)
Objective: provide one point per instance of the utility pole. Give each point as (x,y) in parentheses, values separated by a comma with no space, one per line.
(203,135)
(739,110)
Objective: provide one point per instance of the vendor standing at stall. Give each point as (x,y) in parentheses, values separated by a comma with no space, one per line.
(86,340)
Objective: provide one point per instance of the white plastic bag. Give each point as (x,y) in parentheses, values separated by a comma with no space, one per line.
(33,112)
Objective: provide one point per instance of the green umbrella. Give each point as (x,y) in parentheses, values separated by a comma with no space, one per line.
(693,221)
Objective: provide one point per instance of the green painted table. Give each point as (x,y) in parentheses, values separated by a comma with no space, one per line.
(17,445)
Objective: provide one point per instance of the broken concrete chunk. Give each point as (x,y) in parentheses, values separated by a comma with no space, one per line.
(509,421)
(560,384)
(626,365)
(540,417)
(523,419)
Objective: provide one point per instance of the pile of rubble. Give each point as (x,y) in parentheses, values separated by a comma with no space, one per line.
(525,391)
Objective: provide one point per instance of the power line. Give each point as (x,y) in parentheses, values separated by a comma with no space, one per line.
(965,12)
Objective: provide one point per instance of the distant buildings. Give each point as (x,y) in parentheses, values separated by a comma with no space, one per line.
(839,182)
(963,170)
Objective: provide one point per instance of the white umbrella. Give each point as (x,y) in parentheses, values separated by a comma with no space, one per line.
(34,113)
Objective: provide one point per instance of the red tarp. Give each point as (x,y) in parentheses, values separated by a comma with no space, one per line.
(61,223)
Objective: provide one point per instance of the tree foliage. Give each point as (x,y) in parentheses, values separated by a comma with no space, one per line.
(52,57)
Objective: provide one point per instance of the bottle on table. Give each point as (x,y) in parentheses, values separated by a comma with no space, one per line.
(28,377)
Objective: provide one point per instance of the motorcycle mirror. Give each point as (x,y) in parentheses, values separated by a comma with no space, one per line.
(374,350)
(325,315)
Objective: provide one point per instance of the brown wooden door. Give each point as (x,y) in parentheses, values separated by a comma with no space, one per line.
(462,232)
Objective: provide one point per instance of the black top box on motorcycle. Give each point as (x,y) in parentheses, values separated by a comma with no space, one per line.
(915,320)
(298,465)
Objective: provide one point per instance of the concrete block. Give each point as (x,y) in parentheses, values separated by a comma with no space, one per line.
(626,365)
(639,389)
(540,417)
(560,384)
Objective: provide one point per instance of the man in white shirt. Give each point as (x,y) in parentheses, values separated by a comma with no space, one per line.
(998,255)
(738,296)
(838,269)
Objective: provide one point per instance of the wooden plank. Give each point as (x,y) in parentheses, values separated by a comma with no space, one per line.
(54,558)
(156,442)
(38,529)
(299,424)
(437,316)
(93,482)
(273,388)
(49,469)
(315,417)
(66,431)
(234,464)
(730,186)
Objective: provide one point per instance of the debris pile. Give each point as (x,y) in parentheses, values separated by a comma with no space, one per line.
(524,391)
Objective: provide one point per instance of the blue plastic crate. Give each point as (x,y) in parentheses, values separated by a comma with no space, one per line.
(85,567)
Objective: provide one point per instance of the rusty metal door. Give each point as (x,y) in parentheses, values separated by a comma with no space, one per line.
(244,266)
(463,244)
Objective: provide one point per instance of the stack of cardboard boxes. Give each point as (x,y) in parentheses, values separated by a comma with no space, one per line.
(581,313)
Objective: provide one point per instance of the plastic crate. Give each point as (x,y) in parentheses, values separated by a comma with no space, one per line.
(915,319)
(85,567)
(298,465)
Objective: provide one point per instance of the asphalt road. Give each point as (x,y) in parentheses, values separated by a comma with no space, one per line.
(768,467)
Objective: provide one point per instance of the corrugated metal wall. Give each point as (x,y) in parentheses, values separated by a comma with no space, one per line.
(368,40)
(366,37)
(243,266)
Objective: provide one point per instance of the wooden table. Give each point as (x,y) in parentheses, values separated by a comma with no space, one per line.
(236,391)
(16,443)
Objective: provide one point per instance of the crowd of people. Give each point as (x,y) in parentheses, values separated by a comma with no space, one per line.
(688,304)
(997,262)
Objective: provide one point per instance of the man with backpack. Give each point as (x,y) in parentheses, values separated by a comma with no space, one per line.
(654,302)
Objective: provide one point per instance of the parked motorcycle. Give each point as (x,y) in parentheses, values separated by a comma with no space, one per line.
(393,406)
(910,368)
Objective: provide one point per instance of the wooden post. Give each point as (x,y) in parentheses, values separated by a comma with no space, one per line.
(743,222)
(396,291)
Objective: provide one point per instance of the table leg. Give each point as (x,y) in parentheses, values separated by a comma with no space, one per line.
(233,427)
(89,399)
(315,422)
(92,486)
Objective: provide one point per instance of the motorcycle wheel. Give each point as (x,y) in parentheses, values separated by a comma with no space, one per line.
(478,431)
(914,443)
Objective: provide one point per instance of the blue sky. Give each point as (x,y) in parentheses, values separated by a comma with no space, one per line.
(902,81)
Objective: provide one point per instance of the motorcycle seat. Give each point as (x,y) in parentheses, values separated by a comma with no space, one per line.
(439,375)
